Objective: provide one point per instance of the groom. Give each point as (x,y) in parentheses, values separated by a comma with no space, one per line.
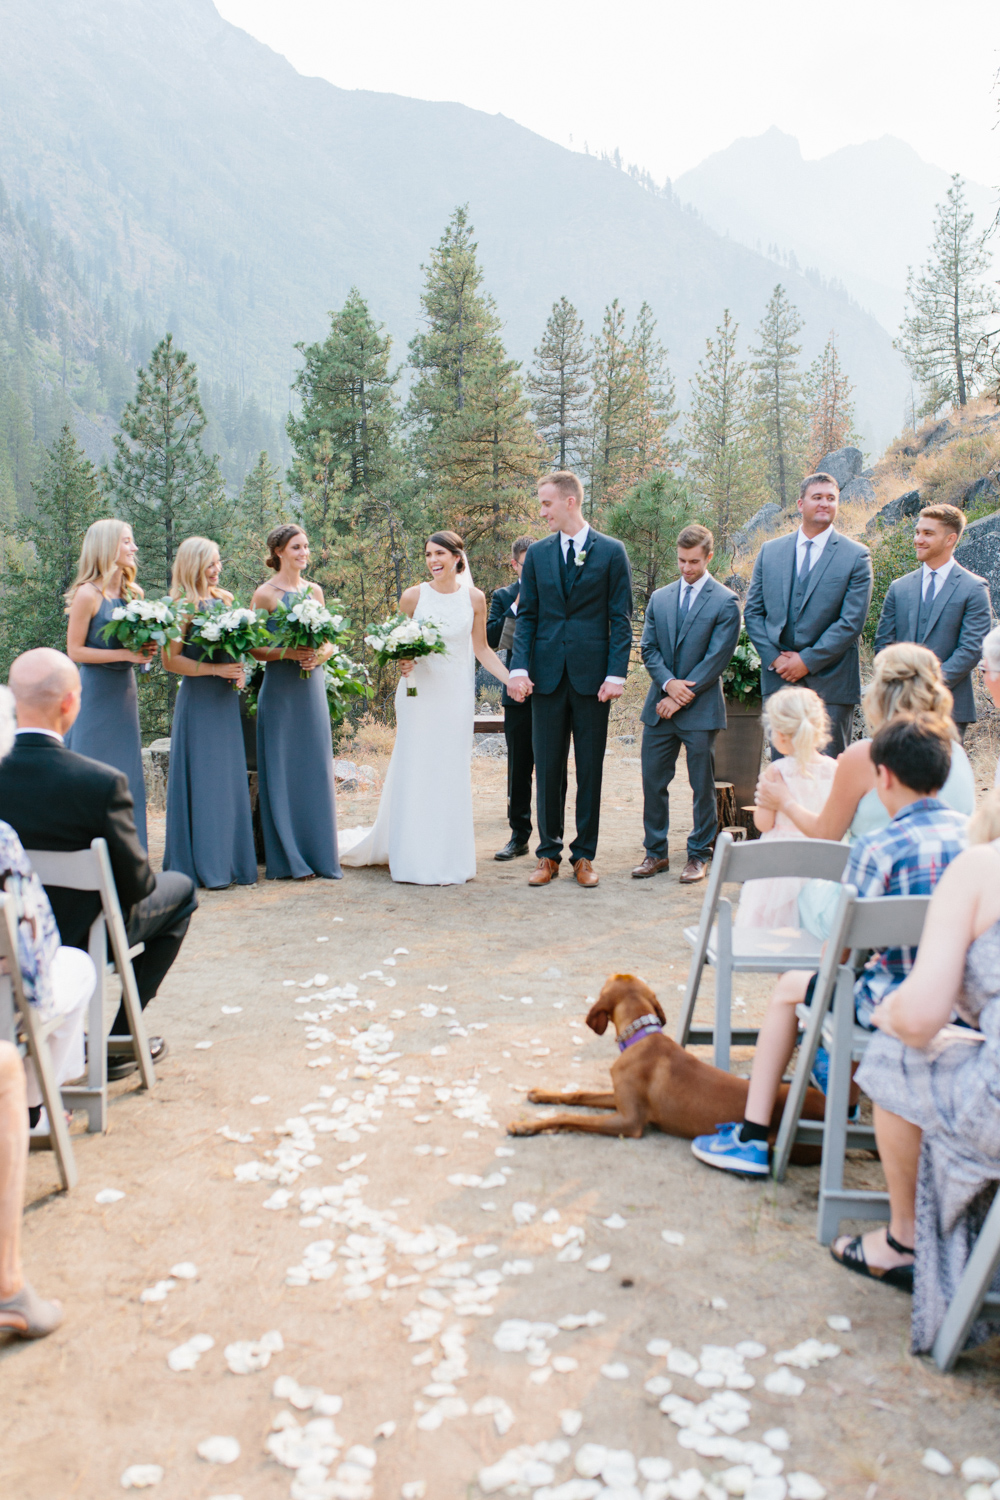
(574,637)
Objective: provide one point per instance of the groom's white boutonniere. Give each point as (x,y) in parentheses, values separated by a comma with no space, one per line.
(580,559)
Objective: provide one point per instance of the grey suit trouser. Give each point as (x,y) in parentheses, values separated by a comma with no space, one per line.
(661,743)
(841,716)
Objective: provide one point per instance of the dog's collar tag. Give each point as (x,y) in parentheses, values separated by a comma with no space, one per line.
(636,1031)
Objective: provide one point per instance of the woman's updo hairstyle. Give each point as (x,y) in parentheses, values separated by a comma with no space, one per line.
(453,543)
(906,679)
(278,540)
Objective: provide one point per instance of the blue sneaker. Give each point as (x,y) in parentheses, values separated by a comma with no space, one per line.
(726,1150)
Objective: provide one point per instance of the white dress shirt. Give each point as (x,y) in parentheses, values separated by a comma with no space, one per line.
(579,545)
(934,578)
(818,543)
(696,589)
(53,734)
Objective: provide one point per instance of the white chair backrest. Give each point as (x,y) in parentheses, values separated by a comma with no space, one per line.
(73,869)
(809,859)
(8,951)
(886,922)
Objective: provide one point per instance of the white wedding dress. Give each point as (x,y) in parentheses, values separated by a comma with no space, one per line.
(423,830)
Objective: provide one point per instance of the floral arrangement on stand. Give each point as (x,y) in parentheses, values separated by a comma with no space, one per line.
(229,630)
(401,639)
(741,679)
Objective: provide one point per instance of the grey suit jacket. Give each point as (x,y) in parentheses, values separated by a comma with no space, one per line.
(700,651)
(960,616)
(831,620)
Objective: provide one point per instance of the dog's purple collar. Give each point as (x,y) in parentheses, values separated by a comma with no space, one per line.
(636,1031)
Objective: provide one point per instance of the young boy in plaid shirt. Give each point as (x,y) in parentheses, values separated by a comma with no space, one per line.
(912,757)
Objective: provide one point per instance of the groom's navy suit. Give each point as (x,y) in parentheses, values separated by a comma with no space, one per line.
(574,630)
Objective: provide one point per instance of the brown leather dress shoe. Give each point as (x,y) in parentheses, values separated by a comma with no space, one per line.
(650,866)
(692,872)
(544,872)
(584,872)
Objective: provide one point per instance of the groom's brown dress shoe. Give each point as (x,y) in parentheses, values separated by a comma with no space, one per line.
(650,866)
(544,872)
(584,872)
(692,872)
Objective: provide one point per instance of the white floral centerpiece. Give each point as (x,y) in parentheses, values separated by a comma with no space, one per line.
(306,624)
(137,622)
(231,631)
(401,639)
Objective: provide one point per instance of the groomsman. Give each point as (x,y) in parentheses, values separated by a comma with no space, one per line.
(940,605)
(806,608)
(690,633)
(516,716)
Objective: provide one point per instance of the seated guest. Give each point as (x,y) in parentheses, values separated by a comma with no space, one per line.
(905,858)
(991,676)
(22,1311)
(906,680)
(934,1090)
(56,799)
(798,728)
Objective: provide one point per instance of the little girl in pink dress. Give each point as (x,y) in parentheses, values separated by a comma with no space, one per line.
(798,727)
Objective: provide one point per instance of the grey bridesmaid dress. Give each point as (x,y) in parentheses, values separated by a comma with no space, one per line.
(298,810)
(107,726)
(209,824)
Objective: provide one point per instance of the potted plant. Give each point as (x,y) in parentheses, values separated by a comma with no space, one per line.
(739,747)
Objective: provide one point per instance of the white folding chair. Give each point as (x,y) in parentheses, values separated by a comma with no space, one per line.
(749,950)
(973,1298)
(19,1021)
(90,870)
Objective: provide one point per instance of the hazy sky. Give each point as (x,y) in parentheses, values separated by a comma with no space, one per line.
(670,82)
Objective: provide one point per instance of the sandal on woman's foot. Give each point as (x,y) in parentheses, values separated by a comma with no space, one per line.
(852,1258)
(28,1315)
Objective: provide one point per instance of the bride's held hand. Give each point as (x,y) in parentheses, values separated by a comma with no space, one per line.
(406,666)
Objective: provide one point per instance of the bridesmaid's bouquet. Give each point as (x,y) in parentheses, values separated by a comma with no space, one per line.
(306,624)
(230,630)
(344,679)
(402,639)
(135,624)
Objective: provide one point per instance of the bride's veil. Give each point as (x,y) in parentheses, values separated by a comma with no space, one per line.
(465,577)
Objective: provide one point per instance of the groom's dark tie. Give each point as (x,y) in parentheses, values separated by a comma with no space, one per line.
(569,563)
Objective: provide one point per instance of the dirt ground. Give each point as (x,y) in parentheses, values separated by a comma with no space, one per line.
(98,1396)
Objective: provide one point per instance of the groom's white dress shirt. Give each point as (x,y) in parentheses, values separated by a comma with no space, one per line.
(579,545)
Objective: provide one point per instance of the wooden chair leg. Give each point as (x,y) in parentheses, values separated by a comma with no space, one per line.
(971,1292)
(831,1172)
(792,1113)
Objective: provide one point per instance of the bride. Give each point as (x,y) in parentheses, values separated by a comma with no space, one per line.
(423,830)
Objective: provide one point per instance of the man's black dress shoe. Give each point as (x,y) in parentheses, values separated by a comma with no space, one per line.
(120,1066)
(512,850)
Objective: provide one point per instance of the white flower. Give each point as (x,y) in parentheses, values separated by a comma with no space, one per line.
(119,613)
(212,631)
(581,558)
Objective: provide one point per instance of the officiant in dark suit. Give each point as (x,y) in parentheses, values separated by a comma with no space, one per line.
(572,644)
(806,608)
(516,716)
(942,606)
(688,639)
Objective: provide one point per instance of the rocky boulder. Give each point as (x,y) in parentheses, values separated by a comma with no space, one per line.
(846,464)
(764,519)
(985,491)
(979,551)
(896,510)
(857,489)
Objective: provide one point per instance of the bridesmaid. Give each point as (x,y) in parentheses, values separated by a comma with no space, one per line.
(107,727)
(209,826)
(298,810)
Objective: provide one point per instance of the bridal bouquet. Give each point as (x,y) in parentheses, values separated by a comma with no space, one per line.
(228,630)
(306,623)
(403,639)
(135,624)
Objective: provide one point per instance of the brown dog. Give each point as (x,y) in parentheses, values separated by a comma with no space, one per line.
(656,1082)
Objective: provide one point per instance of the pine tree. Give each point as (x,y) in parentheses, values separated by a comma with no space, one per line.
(648,521)
(159,479)
(261,506)
(830,399)
(613,402)
(655,401)
(558,385)
(347,391)
(779,407)
(43,549)
(723,467)
(941,339)
(474,449)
